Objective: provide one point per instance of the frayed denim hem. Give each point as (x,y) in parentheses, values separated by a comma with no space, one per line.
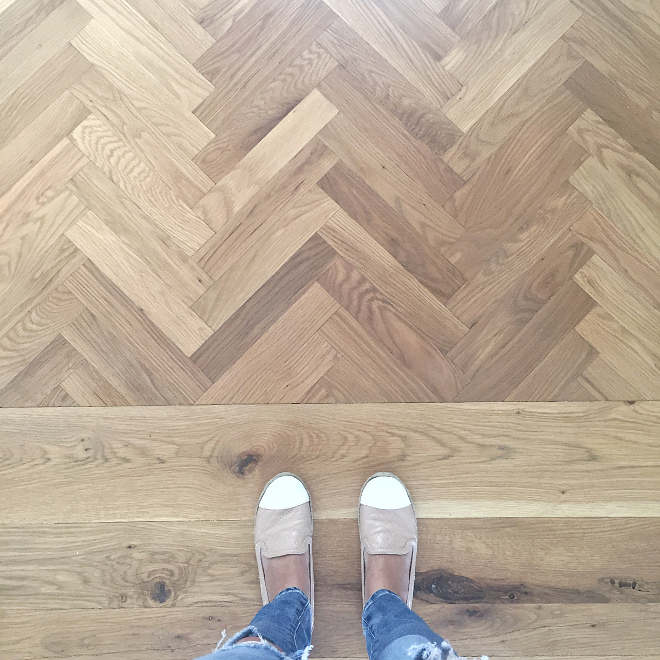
(263,645)
(431,651)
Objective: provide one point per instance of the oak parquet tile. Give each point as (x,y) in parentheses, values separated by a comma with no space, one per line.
(157,103)
(380,80)
(35,141)
(376,314)
(392,231)
(43,373)
(496,199)
(390,180)
(85,386)
(264,307)
(418,161)
(518,358)
(238,133)
(488,83)
(610,102)
(522,103)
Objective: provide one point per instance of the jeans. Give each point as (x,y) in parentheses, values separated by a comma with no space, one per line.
(392,631)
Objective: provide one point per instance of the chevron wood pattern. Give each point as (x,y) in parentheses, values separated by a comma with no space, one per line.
(439,220)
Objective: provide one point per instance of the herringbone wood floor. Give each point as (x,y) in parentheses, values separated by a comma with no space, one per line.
(329,202)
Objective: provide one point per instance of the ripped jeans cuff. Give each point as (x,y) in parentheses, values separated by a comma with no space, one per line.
(266,650)
(417,647)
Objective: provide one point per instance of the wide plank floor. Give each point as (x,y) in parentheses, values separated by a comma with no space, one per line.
(435,223)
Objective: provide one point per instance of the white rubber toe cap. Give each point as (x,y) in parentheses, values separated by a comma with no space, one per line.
(385,493)
(284,492)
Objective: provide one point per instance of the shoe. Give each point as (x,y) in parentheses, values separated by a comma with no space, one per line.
(283,526)
(387,523)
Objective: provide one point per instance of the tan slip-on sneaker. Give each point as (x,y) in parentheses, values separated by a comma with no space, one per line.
(387,523)
(283,526)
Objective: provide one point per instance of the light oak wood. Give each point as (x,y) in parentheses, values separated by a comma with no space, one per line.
(409,235)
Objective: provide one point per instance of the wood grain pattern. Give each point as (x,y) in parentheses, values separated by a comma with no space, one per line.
(361,235)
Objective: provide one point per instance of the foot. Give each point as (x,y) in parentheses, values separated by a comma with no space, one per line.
(388,536)
(283,537)
(287,571)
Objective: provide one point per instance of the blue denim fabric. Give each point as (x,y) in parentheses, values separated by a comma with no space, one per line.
(286,622)
(394,632)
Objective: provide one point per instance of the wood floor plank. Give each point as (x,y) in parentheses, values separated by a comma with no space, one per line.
(116,362)
(402,52)
(184,632)
(497,198)
(610,102)
(235,190)
(248,324)
(159,105)
(24,341)
(37,139)
(202,451)
(632,358)
(609,195)
(565,362)
(141,136)
(392,231)
(481,552)
(364,354)
(57,398)
(151,49)
(176,25)
(40,90)
(266,253)
(635,309)
(390,180)
(620,159)
(186,280)
(19,19)
(490,34)
(48,38)
(262,43)
(629,60)
(606,383)
(36,283)
(511,261)
(377,315)
(24,245)
(509,314)
(34,191)
(263,211)
(514,363)
(127,269)
(349,383)
(482,90)
(131,325)
(619,252)
(521,104)
(237,134)
(218,16)
(141,183)
(424,26)
(412,155)
(420,306)
(43,373)
(87,387)
(286,361)
(383,83)
(463,15)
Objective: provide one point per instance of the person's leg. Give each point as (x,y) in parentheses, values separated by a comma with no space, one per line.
(282,628)
(388,535)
